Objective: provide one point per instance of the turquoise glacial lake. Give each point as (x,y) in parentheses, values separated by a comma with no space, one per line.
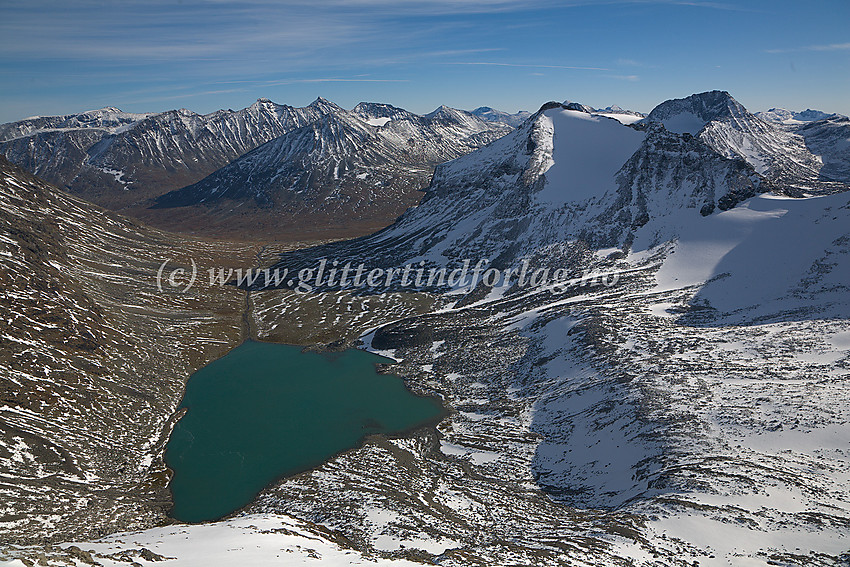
(266,411)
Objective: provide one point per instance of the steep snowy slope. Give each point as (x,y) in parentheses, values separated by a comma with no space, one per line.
(92,360)
(830,139)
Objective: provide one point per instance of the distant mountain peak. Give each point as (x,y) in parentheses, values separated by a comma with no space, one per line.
(785,116)
(490,114)
(105,110)
(442,110)
(691,114)
(325,105)
(378,112)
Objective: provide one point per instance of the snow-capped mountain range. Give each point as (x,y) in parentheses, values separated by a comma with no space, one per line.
(349,166)
(125,161)
(782,156)
(117,159)
(516,199)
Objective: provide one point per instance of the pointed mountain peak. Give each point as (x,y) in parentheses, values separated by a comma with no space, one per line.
(325,105)
(442,109)
(448,113)
(264,103)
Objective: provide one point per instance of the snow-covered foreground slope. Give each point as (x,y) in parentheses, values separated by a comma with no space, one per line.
(658,421)
(771,252)
(255,541)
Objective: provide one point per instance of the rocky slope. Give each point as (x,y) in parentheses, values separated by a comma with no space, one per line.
(93,359)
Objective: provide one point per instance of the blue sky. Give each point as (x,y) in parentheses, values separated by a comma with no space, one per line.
(153,55)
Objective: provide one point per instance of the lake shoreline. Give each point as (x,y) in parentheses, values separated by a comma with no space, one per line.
(428,425)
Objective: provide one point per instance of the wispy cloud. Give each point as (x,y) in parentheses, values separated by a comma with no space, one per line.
(631,78)
(527,65)
(629,63)
(827,47)
(332,80)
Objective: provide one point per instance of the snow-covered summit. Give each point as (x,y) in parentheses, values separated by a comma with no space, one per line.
(324,105)
(108,119)
(378,114)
